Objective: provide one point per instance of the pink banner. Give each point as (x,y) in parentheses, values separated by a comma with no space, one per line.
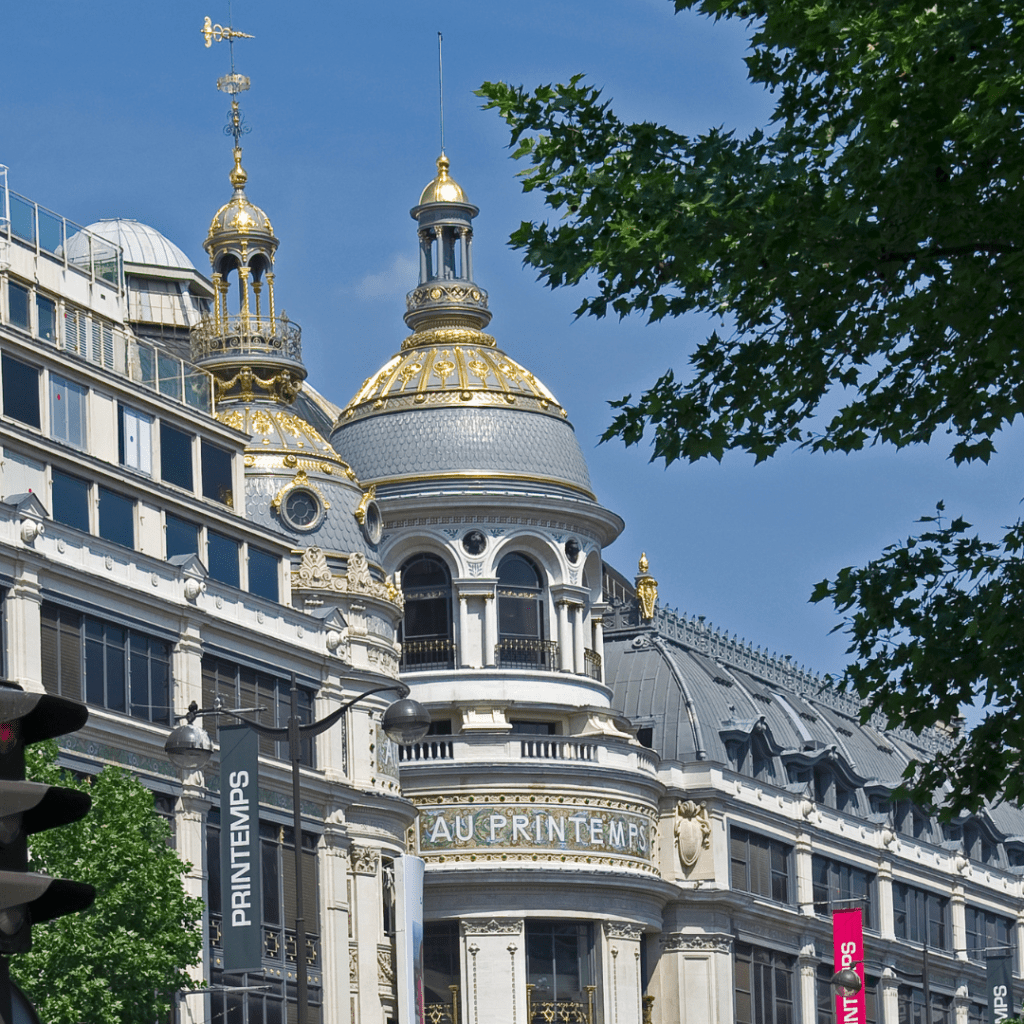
(848,939)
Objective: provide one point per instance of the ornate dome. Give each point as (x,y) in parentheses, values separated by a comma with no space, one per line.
(443,189)
(238,219)
(141,244)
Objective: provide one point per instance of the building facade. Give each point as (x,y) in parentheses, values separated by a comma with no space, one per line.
(624,815)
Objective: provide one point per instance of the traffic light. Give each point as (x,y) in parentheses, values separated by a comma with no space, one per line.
(28,807)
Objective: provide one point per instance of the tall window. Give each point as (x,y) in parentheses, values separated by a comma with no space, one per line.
(838,884)
(70,504)
(912,1006)
(763,985)
(175,456)
(182,537)
(117,667)
(559,964)
(760,865)
(440,967)
(242,686)
(135,439)
(270,1001)
(21,390)
(987,931)
(521,615)
(426,634)
(67,411)
(216,464)
(263,574)
(17,305)
(46,318)
(222,558)
(826,995)
(920,916)
(116,517)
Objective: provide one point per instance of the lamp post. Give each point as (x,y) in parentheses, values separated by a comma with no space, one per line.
(189,747)
(847,981)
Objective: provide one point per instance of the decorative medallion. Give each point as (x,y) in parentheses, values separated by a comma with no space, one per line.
(692,831)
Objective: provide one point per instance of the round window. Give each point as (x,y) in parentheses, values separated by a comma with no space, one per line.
(302,509)
(474,542)
(373,523)
(572,550)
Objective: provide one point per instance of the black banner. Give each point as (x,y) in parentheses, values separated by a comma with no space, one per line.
(241,902)
(999,978)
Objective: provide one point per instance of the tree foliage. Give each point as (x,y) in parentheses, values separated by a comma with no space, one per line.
(121,961)
(861,259)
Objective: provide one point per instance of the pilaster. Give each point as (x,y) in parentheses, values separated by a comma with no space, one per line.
(494,971)
(622,994)
(23,613)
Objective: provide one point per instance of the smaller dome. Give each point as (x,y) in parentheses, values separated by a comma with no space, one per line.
(141,244)
(443,189)
(239,217)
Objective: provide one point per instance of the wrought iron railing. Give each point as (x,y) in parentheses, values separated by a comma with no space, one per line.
(246,335)
(443,1013)
(424,655)
(560,1011)
(518,653)
(592,664)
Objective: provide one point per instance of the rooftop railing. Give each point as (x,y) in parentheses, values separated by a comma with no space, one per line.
(247,335)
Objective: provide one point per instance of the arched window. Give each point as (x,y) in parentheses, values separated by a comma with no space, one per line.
(521,615)
(426,633)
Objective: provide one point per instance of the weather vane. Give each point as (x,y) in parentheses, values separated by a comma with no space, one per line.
(233,83)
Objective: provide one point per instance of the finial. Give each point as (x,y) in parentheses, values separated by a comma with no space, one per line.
(646,590)
(238,177)
(644,564)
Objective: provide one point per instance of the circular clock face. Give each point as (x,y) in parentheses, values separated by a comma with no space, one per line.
(302,509)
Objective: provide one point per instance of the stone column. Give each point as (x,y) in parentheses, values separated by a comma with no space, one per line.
(24,653)
(888,998)
(959,920)
(332,855)
(579,640)
(804,876)
(190,828)
(424,257)
(807,965)
(597,626)
(366,908)
(886,925)
(564,640)
(493,972)
(622,997)
(695,971)
(462,638)
(490,629)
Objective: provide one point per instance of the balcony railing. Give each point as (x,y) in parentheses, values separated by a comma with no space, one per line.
(443,1013)
(560,1011)
(424,655)
(592,664)
(247,335)
(427,750)
(519,653)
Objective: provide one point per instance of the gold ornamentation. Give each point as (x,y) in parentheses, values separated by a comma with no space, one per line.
(692,831)
(261,422)
(449,336)
(300,480)
(315,574)
(215,33)
(368,496)
(232,419)
(646,590)
(282,387)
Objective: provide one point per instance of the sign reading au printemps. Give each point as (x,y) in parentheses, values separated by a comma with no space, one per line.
(525,826)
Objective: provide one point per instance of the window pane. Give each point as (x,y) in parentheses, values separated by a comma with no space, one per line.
(182,537)
(175,457)
(117,518)
(21,390)
(263,570)
(46,316)
(135,440)
(70,501)
(17,298)
(216,474)
(67,411)
(223,559)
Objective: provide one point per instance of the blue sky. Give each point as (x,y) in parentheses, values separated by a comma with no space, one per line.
(110,109)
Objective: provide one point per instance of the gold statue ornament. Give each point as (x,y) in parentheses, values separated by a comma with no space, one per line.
(646,590)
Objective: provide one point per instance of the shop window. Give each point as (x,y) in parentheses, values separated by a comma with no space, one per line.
(842,886)
(182,537)
(46,318)
(763,985)
(440,968)
(241,686)
(106,664)
(760,865)
(116,517)
(426,633)
(135,439)
(269,1001)
(216,464)
(263,574)
(911,1007)
(988,932)
(521,615)
(20,390)
(920,916)
(17,305)
(222,558)
(175,456)
(67,411)
(559,965)
(826,996)
(70,504)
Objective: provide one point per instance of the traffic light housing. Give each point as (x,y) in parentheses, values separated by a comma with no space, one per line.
(29,807)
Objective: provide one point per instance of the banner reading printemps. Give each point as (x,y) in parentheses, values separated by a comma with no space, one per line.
(848,940)
(999,979)
(241,901)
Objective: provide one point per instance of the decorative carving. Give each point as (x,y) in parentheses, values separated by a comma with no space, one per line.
(300,480)
(679,941)
(315,574)
(495,926)
(622,930)
(692,831)
(368,496)
(385,966)
(353,965)
(365,859)
(646,590)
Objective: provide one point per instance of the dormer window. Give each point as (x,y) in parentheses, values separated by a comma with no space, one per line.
(426,633)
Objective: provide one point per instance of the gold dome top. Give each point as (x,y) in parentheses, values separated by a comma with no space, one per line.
(443,189)
(451,366)
(238,216)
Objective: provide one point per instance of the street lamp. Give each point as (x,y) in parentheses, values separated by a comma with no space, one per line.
(189,747)
(847,982)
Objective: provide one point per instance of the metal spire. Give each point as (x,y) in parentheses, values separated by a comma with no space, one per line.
(440,86)
(233,83)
